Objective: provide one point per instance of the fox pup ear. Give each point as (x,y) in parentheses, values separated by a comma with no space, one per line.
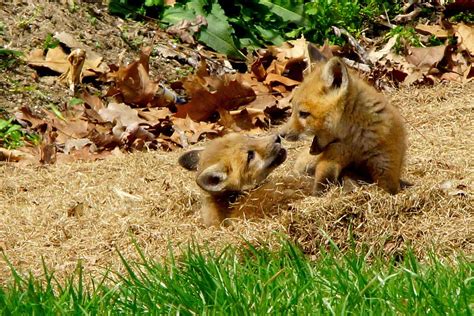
(315,54)
(190,160)
(212,179)
(335,74)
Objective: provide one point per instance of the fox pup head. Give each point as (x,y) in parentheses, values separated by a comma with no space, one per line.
(234,162)
(318,103)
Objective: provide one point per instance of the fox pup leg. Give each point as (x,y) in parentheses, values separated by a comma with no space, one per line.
(306,163)
(210,213)
(385,174)
(329,166)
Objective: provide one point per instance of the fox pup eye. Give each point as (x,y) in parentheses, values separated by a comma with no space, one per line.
(303,114)
(250,155)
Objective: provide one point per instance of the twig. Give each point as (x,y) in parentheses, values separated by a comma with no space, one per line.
(402,18)
(388,20)
(356,65)
(358,48)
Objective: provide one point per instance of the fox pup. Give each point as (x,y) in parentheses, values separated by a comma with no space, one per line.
(227,167)
(353,127)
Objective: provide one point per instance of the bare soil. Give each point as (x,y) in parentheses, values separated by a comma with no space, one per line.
(27,25)
(87,211)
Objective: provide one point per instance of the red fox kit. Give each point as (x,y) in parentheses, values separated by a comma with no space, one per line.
(229,165)
(353,127)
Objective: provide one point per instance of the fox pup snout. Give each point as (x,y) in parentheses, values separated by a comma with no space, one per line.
(229,165)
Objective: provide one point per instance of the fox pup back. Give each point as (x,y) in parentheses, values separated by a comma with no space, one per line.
(353,126)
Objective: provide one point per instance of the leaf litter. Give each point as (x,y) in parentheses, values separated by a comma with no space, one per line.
(137,110)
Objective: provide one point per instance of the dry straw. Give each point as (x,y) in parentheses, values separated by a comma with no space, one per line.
(85,211)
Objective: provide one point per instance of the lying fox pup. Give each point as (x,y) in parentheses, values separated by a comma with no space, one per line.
(228,170)
(353,126)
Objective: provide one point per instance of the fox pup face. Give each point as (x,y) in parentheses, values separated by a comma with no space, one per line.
(234,162)
(318,103)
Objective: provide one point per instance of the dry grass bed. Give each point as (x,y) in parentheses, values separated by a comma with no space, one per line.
(84,211)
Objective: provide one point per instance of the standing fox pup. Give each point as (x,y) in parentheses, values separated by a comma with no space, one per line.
(353,126)
(228,166)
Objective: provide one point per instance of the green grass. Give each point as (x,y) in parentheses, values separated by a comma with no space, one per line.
(254,281)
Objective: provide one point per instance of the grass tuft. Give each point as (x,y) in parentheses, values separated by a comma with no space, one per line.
(253,280)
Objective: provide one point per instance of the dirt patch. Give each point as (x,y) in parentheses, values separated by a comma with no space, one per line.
(24,27)
(85,211)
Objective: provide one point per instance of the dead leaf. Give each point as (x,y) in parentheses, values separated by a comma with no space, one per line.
(465,35)
(93,101)
(104,140)
(426,57)
(56,60)
(67,39)
(130,134)
(154,115)
(12,155)
(134,86)
(375,56)
(192,131)
(75,144)
(429,29)
(227,92)
(120,113)
(25,116)
(48,147)
(272,78)
(247,119)
(185,29)
(71,128)
(292,49)
(258,70)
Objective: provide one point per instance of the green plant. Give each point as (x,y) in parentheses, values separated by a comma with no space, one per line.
(12,135)
(434,41)
(252,281)
(247,24)
(50,42)
(405,35)
(467,17)
(9,58)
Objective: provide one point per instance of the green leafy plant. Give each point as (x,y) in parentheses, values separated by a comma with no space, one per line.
(247,24)
(9,58)
(50,42)
(218,34)
(467,17)
(405,35)
(13,136)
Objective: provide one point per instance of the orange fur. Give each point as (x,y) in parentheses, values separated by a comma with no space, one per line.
(228,168)
(353,125)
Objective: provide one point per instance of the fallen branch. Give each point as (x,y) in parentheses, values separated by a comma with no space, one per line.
(403,18)
(358,48)
(359,66)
